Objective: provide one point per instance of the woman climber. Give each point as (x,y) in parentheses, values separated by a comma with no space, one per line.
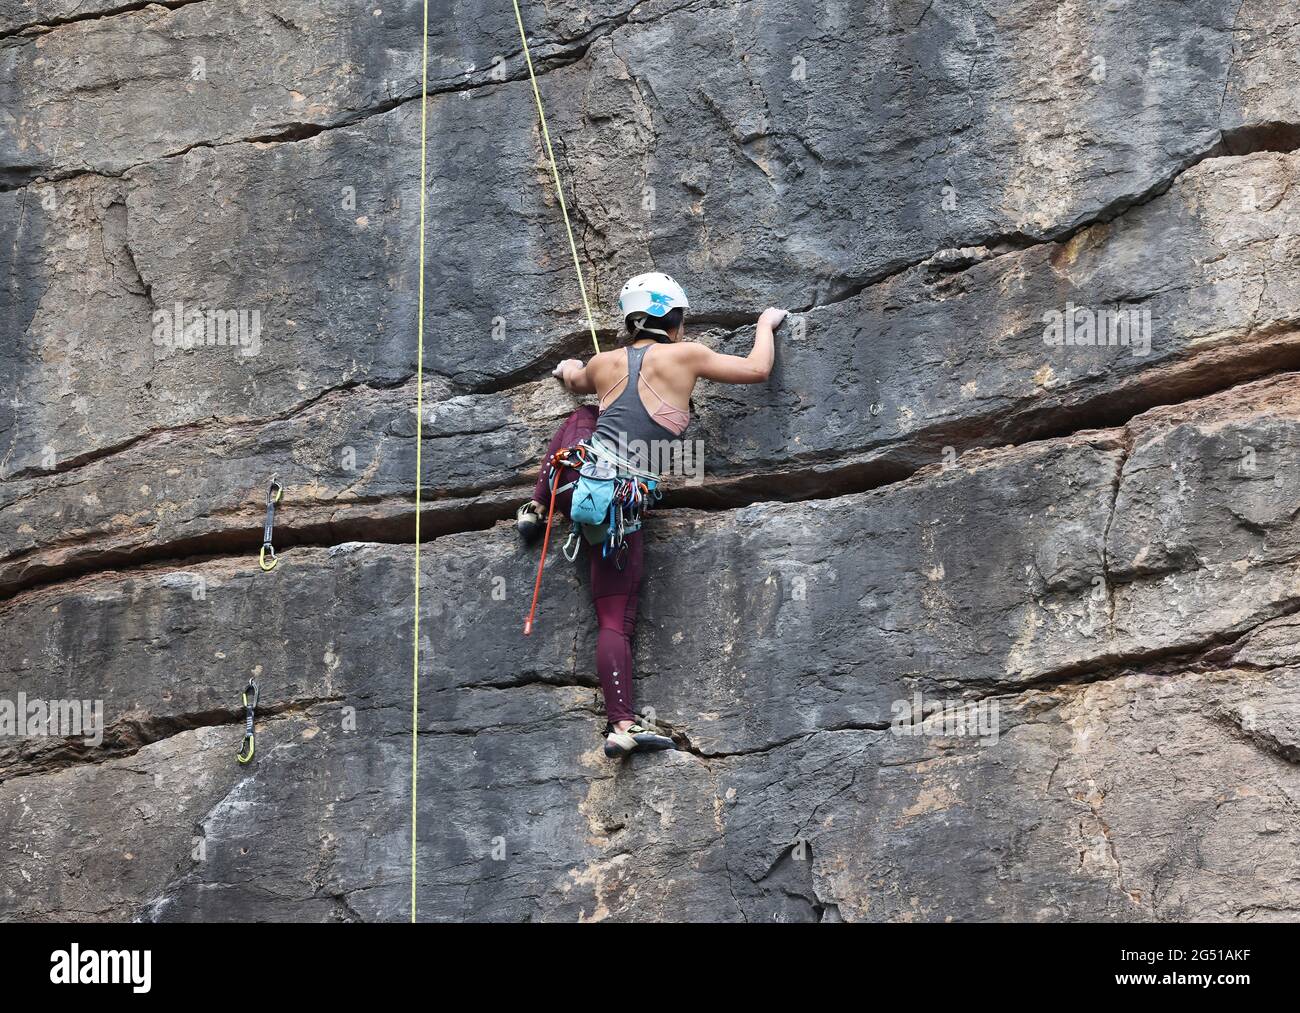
(638,417)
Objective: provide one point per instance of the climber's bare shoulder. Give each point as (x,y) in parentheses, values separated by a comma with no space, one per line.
(705,364)
(600,373)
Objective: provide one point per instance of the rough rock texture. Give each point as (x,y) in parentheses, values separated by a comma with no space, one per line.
(1098,540)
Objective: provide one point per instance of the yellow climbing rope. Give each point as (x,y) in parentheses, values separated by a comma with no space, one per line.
(559,188)
(419,443)
(419,395)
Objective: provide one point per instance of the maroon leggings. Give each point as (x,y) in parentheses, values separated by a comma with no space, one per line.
(613,591)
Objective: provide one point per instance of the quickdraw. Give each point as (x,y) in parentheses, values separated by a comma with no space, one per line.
(273,493)
(632,497)
(248,746)
(633,494)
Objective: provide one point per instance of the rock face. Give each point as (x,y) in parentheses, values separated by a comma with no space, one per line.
(987,604)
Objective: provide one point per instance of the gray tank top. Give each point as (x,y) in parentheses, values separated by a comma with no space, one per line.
(629,429)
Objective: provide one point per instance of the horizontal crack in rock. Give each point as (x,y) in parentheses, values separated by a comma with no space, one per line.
(546,59)
(914,460)
(127,737)
(1282,138)
(40,27)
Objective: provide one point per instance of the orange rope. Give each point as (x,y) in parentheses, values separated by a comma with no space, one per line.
(546,540)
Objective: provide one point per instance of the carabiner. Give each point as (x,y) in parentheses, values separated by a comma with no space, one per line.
(273,493)
(249,745)
(575,540)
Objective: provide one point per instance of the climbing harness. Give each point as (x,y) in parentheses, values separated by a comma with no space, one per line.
(247,747)
(555,172)
(610,498)
(273,493)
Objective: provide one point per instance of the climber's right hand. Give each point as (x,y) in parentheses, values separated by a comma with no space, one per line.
(772,317)
(573,374)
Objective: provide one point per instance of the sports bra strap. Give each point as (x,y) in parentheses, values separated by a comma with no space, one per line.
(630,376)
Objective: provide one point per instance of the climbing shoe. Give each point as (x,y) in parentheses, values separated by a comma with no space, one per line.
(619,744)
(529,521)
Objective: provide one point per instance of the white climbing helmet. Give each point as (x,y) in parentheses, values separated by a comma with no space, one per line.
(653,293)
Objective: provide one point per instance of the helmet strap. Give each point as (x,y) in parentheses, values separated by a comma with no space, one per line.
(641,328)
